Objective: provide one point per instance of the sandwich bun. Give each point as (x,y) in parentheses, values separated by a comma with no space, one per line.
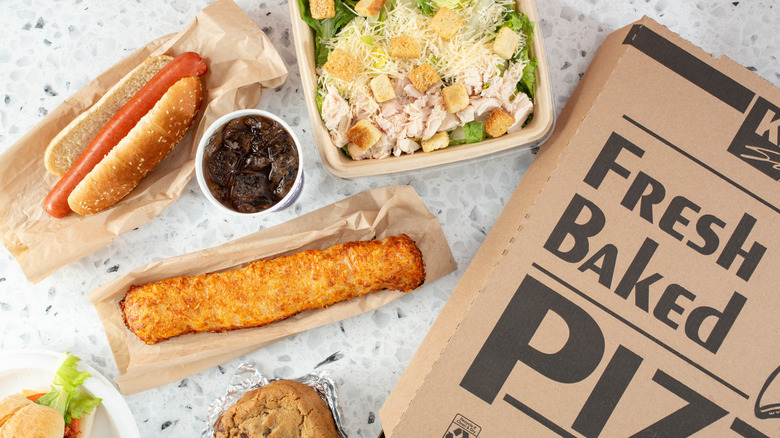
(22,418)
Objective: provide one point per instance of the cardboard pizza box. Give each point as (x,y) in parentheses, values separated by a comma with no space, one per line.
(631,284)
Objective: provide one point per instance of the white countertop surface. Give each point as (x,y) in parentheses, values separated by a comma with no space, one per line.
(49,49)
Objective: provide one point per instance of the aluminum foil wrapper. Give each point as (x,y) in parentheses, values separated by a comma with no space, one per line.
(247,377)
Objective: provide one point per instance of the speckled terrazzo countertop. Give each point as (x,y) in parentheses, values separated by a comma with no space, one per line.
(49,49)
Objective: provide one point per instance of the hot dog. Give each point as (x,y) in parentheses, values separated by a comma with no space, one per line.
(137,138)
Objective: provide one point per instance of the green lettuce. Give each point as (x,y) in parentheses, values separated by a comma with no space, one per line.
(65,396)
(327,28)
(82,404)
(471,132)
(519,22)
(526,84)
(474,132)
(319,97)
(426,7)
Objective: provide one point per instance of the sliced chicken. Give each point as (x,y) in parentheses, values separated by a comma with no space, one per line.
(484,105)
(337,116)
(466,115)
(434,121)
(415,115)
(450,122)
(472,79)
(522,107)
(409,90)
(406,145)
(363,105)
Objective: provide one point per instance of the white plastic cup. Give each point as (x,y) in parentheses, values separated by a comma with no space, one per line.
(199,171)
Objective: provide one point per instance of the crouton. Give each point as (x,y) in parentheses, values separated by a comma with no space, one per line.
(440,140)
(506,43)
(364,134)
(405,47)
(498,122)
(341,65)
(382,88)
(322,9)
(424,77)
(369,8)
(456,97)
(445,23)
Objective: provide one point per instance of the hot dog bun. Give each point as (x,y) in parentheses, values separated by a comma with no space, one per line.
(144,147)
(111,188)
(21,418)
(66,147)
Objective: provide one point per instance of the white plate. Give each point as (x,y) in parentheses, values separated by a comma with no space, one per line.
(34,369)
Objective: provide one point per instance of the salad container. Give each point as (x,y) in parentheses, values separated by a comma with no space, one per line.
(338,163)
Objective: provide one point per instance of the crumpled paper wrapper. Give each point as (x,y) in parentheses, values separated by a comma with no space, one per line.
(247,378)
(241,61)
(368,215)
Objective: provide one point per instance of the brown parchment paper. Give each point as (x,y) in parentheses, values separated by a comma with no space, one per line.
(241,63)
(371,214)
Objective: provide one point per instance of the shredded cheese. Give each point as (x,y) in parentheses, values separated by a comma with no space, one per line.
(368,40)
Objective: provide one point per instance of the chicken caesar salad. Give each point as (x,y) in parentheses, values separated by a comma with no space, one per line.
(398,76)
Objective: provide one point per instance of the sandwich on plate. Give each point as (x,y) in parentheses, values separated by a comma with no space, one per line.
(65,411)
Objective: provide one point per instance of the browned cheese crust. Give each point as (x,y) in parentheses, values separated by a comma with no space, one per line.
(281,409)
(270,290)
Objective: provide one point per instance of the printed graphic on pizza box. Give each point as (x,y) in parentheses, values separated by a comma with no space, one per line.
(462,427)
(679,326)
(758,141)
(630,285)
